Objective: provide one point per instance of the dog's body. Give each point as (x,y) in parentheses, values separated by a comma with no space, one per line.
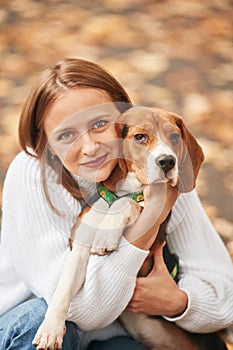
(157,147)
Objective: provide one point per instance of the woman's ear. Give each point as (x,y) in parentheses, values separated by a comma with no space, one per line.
(190,158)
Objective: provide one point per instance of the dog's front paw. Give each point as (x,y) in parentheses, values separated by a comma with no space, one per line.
(49,336)
(122,213)
(105,241)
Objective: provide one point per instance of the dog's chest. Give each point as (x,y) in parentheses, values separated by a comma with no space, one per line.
(128,185)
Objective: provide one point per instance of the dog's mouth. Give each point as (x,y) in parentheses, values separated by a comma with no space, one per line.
(157,176)
(173,181)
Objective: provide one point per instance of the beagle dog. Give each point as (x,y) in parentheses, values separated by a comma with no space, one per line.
(157,147)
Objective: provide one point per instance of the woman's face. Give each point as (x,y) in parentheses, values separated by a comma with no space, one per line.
(81,131)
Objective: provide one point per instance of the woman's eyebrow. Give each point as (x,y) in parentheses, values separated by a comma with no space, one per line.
(101,115)
(61,130)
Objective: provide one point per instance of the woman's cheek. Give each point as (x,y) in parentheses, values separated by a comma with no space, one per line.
(69,158)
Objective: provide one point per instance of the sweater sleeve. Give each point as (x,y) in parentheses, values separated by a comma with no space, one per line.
(206,270)
(36,242)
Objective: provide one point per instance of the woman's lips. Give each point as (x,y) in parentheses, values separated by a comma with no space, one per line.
(97,162)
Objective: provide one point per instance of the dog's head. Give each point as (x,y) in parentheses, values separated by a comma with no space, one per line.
(158,147)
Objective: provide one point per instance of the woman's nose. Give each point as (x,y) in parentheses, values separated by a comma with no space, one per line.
(89,145)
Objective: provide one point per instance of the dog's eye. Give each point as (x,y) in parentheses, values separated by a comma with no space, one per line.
(174,139)
(141,139)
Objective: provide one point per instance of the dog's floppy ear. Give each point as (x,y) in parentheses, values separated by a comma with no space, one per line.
(120,170)
(190,158)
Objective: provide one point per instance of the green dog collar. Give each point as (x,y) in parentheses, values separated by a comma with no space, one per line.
(111,197)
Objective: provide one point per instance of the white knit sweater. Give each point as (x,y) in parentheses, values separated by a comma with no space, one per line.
(34,244)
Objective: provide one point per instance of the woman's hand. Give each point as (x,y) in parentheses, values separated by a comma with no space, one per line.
(158,294)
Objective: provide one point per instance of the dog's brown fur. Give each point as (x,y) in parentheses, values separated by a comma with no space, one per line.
(155,332)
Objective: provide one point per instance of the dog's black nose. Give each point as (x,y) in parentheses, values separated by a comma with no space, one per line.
(165,162)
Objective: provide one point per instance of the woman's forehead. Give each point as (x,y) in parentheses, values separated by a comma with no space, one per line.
(86,118)
(80,106)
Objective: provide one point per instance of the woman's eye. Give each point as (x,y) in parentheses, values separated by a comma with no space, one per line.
(66,136)
(100,124)
(142,139)
(174,138)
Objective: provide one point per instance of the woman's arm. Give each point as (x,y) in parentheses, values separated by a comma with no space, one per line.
(158,294)
(38,240)
(206,270)
(206,274)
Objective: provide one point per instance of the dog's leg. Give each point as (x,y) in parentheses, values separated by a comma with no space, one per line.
(157,333)
(121,213)
(50,333)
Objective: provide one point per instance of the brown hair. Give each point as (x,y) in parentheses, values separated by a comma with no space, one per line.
(66,74)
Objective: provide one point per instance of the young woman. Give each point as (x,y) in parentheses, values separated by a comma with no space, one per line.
(40,206)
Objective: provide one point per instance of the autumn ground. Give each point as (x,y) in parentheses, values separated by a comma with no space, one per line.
(174,54)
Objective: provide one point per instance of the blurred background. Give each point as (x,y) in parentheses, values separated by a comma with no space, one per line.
(174,54)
